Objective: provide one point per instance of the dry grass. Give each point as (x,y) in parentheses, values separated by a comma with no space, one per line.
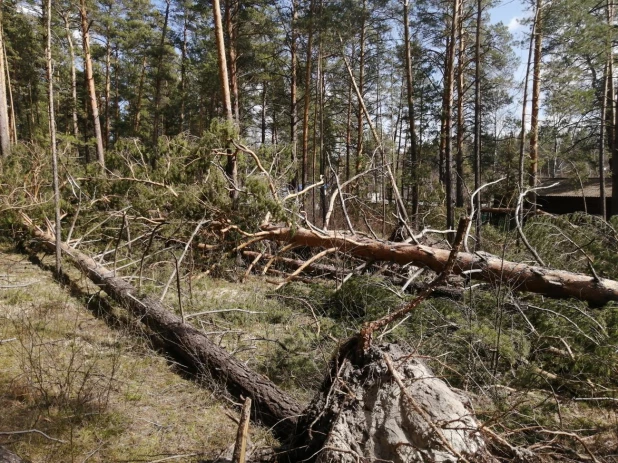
(106,395)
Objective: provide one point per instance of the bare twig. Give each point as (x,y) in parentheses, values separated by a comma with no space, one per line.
(255,157)
(338,191)
(519,226)
(187,246)
(472,210)
(305,190)
(32,431)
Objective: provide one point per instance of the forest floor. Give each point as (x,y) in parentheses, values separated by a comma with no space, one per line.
(79,371)
(93,386)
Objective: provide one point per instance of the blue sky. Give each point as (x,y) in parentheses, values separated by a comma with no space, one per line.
(510,12)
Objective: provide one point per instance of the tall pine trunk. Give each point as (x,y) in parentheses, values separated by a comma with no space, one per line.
(414,158)
(603,122)
(108,91)
(159,77)
(52,137)
(92,93)
(307,101)
(231,167)
(477,123)
(74,117)
(183,70)
(459,161)
(448,117)
(5,124)
(231,10)
(293,88)
(138,101)
(9,88)
(361,87)
(536,99)
(522,141)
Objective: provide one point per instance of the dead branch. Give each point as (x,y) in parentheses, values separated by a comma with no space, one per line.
(520,230)
(368,329)
(240,449)
(305,190)
(32,431)
(472,211)
(306,264)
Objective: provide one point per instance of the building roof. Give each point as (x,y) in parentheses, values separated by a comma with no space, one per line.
(571,187)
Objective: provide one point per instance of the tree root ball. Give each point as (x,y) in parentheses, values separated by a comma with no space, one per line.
(362,414)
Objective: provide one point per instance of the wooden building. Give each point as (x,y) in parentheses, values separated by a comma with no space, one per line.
(572,195)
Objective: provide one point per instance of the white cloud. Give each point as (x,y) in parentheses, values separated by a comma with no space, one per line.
(514,24)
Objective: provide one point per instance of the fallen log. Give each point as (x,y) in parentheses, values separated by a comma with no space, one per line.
(7,456)
(272,406)
(331,270)
(353,414)
(519,276)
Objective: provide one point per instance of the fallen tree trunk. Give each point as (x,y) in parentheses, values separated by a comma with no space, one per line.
(7,456)
(383,405)
(332,271)
(272,406)
(520,277)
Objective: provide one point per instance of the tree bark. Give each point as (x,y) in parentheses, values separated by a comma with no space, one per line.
(604,101)
(448,117)
(138,102)
(536,99)
(7,456)
(52,136)
(74,117)
(183,68)
(307,103)
(231,167)
(108,91)
(272,406)
(222,61)
(294,88)
(459,161)
(5,124)
(522,142)
(325,270)
(520,277)
(159,77)
(9,89)
(94,105)
(477,124)
(231,9)
(411,116)
(361,89)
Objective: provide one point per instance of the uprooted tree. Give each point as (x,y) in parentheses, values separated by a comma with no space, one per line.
(376,400)
(333,428)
